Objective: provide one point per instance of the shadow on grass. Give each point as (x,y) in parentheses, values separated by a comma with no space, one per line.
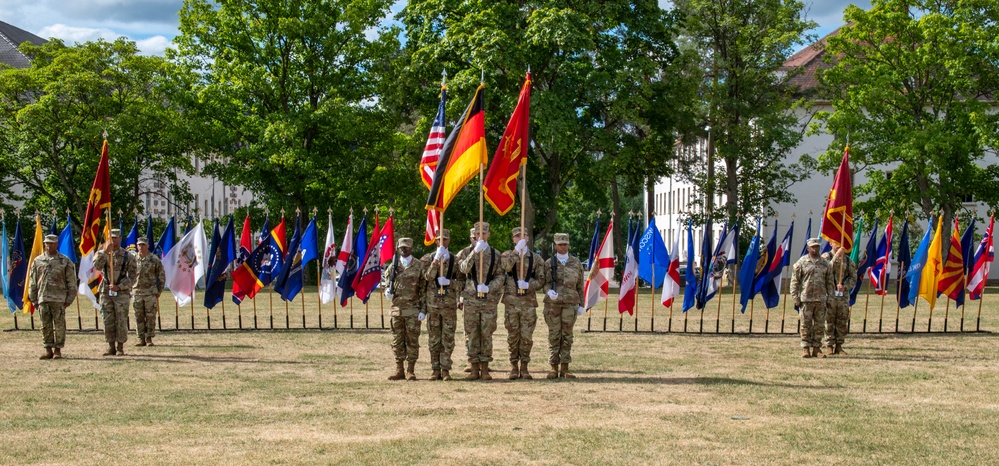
(706,381)
(177,359)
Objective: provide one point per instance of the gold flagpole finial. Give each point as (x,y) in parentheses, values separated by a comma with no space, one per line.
(298,211)
(105,134)
(391,211)
(17,211)
(314,210)
(329,210)
(365,210)
(598,213)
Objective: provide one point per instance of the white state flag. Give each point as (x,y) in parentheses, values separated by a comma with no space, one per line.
(88,278)
(601,271)
(327,282)
(185,264)
(671,283)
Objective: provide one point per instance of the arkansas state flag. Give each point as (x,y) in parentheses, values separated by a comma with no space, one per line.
(837,220)
(984,257)
(601,270)
(626,295)
(371,271)
(500,185)
(100,199)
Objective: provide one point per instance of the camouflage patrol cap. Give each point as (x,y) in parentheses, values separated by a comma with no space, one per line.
(51,239)
(516,232)
(115,233)
(561,238)
(446,234)
(484,226)
(813,242)
(142,241)
(404,243)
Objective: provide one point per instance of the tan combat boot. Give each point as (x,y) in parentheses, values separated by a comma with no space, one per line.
(839,349)
(149,341)
(142,342)
(553,374)
(817,352)
(564,371)
(47,355)
(468,368)
(805,353)
(514,371)
(523,371)
(445,374)
(121,349)
(110,351)
(484,371)
(56,353)
(474,375)
(398,375)
(410,370)
(436,375)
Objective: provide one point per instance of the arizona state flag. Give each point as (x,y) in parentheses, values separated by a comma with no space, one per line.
(951,281)
(500,184)
(837,221)
(100,199)
(464,150)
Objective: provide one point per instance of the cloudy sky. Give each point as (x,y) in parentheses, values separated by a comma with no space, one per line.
(153,23)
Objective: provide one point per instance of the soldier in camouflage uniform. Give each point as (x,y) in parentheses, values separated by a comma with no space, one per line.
(521,302)
(146,292)
(52,288)
(403,283)
(812,286)
(461,301)
(483,289)
(441,288)
(114,291)
(844,273)
(563,303)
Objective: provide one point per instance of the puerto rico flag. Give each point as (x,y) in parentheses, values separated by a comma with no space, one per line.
(984,257)
(880,272)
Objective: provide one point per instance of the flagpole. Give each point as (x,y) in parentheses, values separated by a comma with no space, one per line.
(319,271)
(867,302)
(915,307)
(978,326)
(735,293)
(947,312)
(881,318)
(718,317)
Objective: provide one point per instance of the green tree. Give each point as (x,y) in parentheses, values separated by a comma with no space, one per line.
(913,87)
(289,100)
(603,75)
(744,102)
(53,114)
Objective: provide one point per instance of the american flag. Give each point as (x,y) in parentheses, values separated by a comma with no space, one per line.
(435,142)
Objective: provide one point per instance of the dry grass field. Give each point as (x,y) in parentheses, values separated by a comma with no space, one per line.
(321,397)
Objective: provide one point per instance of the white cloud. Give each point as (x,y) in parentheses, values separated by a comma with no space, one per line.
(72,34)
(155,45)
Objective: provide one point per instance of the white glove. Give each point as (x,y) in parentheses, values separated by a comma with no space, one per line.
(389,295)
(552,294)
(482,288)
(523,285)
(442,281)
(481,245)
(442,254)
(580,311)
(521,247)
(421,317)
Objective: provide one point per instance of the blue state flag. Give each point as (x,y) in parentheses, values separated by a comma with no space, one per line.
(4,271)
(808,236)
(915,272)
(968,247)
(67,245)
(904,260)
(54,229)
(653,259)
(346,281)
(18,272)
(747,274)
(305,253)
(690,276)
(131,243)
(167,239)
(149,232)
(222,256)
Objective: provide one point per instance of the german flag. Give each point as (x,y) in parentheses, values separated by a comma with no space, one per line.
(100,199)
(500,184)
(837,223)
(464,150)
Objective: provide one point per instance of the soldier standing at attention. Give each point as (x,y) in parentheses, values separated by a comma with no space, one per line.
(52,288)
(403,283)
(483,289)
(146,292)
(114,291)
(442,285)
(844,272)
(811,286)
(521,303)
(467,251)
(563,302)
